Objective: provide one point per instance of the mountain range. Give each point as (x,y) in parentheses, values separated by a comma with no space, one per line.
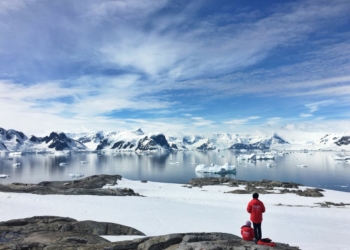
(138,141)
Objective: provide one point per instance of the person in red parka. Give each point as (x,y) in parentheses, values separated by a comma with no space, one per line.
(247,232)
(256,208)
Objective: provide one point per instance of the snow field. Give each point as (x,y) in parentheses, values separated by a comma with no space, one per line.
(171,208)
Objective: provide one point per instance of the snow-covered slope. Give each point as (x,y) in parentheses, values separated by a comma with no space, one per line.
(90,140)
(3,147)
(11,139)
(133,140)
(55,141)
(226,141)
(331,141)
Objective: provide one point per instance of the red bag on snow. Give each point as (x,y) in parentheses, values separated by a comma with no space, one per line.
(266,242)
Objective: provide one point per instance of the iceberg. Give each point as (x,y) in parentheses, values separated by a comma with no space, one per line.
(301,166)
(243,157)
(216,169)
(4,176)
(341,158)
(265,157)
(76,175)
(62,164)
(16,153)
(270,165)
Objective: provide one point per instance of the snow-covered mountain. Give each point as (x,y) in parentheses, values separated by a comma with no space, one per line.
(138,141)
(3,147)
(332,140)
(191,142)
(57,141)
(134,140)
(12,140)
(90,140)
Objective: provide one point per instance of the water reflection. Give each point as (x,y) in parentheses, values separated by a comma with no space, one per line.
(205,175)
(178,167)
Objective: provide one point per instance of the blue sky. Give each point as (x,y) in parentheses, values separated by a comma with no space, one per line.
(197,66)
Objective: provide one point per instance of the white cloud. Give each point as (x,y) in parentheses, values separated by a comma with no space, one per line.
(241,121)
(304,115)
(200,121)
(154,57)
(316,105)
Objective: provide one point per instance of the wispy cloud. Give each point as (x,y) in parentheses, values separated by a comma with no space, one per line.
(316,105)
(200,121)
(241,121)
(305,115)
(166,60)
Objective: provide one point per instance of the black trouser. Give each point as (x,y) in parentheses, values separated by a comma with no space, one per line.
(257,230)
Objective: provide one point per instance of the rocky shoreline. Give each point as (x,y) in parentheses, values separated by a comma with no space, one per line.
(92,185)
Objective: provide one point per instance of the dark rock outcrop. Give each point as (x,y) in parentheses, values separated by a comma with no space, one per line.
(53,232)
(206,146)
(11,133)
(102,144)
(50,232)
(153,142)
(241,146)
(58,141)
(91,185)
(344,140)
(2,146)
(262,187)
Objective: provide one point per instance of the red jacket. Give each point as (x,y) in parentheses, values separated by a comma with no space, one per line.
(247,232)
(256,208)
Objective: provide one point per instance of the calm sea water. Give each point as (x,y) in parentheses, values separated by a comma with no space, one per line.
(322,170)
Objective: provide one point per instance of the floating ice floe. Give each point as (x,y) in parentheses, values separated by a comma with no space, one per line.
(4,176)
(270,165)
(341,158)
(82,162)
(62,164)
(216,169)
(16,165)
(301,166)
(173,163)
(76,175)
(265,157)
(244,157)
(17,153)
